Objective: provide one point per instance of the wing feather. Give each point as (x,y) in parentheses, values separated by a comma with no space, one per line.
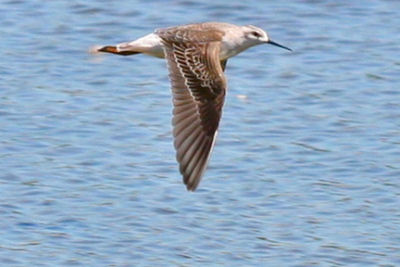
(198,89)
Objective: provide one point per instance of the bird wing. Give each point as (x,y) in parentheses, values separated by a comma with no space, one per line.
(198,88)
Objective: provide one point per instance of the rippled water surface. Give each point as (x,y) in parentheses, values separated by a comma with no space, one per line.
(307,163)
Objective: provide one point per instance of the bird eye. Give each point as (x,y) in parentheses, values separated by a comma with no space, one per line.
(256,34)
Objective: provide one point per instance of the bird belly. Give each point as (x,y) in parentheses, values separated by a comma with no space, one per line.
(150,45)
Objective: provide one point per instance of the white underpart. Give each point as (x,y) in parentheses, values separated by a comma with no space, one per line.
(150,44)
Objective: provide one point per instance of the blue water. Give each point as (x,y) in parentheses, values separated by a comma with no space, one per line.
(307,163)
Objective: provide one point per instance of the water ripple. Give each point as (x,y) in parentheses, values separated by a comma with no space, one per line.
(305,168)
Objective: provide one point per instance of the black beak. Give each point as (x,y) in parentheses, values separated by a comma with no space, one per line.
(279,45)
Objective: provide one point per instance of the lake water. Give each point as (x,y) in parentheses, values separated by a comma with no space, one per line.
(305,172)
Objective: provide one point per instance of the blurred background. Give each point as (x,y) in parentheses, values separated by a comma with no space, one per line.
(306,167)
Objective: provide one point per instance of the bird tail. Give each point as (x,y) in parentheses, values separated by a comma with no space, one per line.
(116,50)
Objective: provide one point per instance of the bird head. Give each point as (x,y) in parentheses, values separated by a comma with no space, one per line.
(255,36)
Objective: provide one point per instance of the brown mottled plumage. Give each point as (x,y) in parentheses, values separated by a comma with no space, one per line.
(196,55)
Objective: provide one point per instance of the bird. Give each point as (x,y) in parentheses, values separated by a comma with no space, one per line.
(196,56)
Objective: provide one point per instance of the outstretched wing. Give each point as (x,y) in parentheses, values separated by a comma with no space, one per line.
(198,88)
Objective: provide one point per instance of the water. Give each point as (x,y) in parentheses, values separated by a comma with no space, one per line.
(305,171)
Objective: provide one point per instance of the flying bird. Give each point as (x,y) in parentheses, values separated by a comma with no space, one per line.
(196,55)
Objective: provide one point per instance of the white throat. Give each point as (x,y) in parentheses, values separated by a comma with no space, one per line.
(233,43)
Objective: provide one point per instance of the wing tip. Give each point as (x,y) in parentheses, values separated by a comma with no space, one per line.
(193,178)
(191,188)
(191,185)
